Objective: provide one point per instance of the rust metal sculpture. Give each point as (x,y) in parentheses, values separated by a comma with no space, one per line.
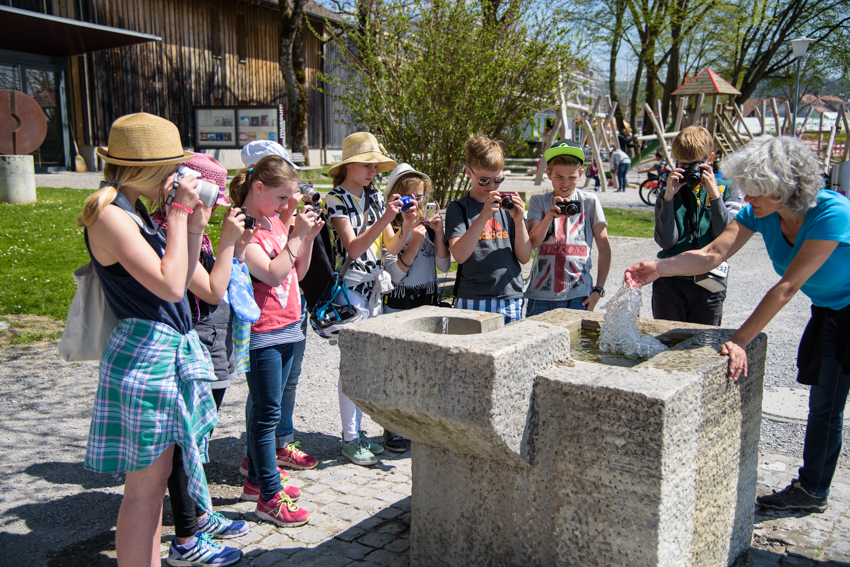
(23,125)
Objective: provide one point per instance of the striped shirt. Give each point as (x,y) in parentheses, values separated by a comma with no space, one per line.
(341,203)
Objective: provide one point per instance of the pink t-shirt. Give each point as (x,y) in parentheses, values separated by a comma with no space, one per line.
(279,306)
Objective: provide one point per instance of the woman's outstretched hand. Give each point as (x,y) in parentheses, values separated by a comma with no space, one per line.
(642,274)
(737,359)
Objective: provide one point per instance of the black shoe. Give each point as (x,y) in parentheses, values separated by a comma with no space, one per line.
(792,497)
(394,443)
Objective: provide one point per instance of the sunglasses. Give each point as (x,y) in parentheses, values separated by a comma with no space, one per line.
(485,181)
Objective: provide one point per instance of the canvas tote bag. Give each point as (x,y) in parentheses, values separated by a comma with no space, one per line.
(90,320)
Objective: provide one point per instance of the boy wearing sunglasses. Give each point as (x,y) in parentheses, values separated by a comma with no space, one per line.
(689,214)
(486,233)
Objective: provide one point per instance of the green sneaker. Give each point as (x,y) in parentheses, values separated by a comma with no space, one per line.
(358,452)
(374,448)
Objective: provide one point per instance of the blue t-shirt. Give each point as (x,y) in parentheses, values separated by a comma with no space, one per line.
(828,220)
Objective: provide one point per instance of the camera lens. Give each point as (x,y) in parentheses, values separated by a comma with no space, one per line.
(507,202)
(693,175)
(573,208)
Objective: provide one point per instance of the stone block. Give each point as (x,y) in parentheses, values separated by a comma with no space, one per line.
(523,456)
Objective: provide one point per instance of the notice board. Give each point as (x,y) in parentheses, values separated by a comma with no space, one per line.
(231,127)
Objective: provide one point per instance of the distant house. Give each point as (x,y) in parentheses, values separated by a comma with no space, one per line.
(87,62)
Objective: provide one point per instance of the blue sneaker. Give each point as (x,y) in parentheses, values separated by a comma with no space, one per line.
(219,527)
(202,551)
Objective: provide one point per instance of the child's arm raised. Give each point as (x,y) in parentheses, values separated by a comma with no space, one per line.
(538,227)
(211,287)
(273,271)
(355,244)
(394,241)
(522,243)
(462,246)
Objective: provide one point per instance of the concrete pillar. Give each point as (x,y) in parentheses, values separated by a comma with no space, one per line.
(17,179)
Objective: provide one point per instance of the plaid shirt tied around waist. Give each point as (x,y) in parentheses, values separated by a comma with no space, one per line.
(153,392)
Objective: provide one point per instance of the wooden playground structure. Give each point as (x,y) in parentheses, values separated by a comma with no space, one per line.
(725,121)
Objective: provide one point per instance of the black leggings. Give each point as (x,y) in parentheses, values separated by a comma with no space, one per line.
(182,506)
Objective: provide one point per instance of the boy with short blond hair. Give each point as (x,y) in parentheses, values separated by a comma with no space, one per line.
(562,225)
(690,213)
(488,242)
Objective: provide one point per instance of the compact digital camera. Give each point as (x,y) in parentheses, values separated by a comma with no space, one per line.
(309,193)
(207,192)
(250,222)
(506,201)
(570,207)
(407,202)
(430,210)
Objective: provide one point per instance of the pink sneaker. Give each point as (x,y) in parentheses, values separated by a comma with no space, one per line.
(243,470)
(281,511)
(294,458)
(251,491)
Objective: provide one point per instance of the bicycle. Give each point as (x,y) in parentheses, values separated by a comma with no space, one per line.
(652,185)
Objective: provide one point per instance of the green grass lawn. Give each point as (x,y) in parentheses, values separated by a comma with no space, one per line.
(629,222)
(40,247)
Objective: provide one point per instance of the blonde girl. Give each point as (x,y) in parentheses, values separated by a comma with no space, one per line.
(153,391)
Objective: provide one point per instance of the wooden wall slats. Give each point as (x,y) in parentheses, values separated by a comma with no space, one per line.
(168,78)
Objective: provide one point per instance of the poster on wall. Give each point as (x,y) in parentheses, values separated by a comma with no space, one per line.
(258,123)
(215,127)
(230,127)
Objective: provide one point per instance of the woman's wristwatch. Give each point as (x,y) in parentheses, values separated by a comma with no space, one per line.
(599,290)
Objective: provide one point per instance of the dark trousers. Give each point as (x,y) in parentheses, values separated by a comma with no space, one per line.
(182,506)
(825,425)
(679,299)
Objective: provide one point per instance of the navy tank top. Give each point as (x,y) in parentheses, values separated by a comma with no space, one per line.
(131,300)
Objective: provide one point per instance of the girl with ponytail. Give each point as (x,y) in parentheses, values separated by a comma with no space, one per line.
(277,257)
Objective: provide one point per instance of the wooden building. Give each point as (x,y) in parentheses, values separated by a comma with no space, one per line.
(101,59)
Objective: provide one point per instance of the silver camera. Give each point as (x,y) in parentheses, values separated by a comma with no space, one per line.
(207,192)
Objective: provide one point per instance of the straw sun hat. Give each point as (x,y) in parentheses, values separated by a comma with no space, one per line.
(363,147)
(143,139)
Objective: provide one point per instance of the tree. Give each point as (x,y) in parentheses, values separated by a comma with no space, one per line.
(438,71)
(291,62)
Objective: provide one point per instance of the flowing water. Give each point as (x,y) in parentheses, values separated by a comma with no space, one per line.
(620,333)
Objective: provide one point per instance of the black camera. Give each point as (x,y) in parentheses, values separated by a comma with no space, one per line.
(570,207)
(506,201)
(693,175)
(250,222)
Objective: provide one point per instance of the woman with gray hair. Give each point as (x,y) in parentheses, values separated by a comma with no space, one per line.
(806,232)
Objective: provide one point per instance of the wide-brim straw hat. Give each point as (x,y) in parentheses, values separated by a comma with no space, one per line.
(363,147)
(143,139)
(400,170)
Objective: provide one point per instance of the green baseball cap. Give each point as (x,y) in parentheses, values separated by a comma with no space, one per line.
(564,148)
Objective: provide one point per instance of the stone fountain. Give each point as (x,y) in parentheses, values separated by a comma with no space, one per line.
(525,454)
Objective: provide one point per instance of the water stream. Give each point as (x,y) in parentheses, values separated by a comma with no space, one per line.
(620,333)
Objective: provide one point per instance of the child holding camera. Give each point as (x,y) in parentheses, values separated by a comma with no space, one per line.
(690,213)
(211,319)
(417,248)
(563,224)
(287,448)
(487,236)
(360,226)
(154,367)
(277,257)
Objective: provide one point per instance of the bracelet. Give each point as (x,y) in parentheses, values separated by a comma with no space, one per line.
(196,233)
(402,263)
(182,207)
(288,251)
